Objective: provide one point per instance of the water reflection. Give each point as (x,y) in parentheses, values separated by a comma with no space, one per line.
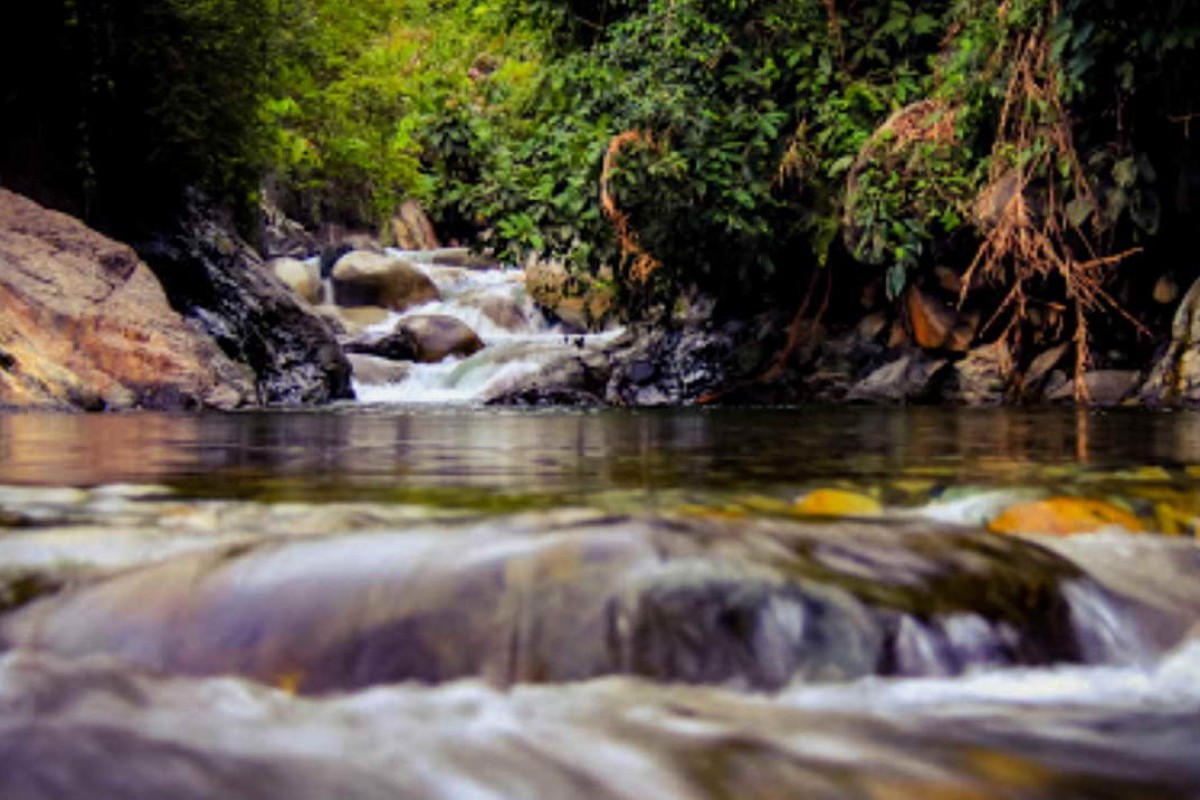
(576,453)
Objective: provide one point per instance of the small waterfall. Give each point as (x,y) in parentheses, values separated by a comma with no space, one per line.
(512,351)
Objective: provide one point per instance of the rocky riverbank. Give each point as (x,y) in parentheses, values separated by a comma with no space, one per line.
(88,327)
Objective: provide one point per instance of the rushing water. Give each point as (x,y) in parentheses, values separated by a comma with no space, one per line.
(555,580)
(512,352)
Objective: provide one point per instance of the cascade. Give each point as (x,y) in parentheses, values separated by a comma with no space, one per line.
(511,352)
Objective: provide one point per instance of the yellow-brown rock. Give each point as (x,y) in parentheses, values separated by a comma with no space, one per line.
(837,503)
(301,277)
(1063,516)
(85,324)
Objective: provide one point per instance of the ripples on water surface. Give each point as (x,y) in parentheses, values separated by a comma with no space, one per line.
(352,502)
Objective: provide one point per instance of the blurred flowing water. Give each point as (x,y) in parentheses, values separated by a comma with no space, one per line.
(594,604)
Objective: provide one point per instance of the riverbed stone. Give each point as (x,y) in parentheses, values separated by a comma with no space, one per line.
(399,345)
(95,731)
(374,371)
(86,325)
(1105,387)
(363,278)
(504,312)
(910,378)
(301,277)
(981,377)
(436,337)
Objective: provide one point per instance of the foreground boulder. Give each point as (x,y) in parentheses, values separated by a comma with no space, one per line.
(216,279)
(85,324)
(547,598)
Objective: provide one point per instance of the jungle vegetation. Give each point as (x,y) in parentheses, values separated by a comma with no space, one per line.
(755,150)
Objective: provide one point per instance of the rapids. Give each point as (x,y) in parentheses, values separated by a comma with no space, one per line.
(371,603)
(511,353)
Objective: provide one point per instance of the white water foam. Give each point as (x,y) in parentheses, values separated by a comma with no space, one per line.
(509,356)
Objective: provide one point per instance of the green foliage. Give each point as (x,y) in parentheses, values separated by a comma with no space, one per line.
(365,92)
(756,110)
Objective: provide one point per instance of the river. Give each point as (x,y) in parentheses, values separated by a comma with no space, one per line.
(382,601)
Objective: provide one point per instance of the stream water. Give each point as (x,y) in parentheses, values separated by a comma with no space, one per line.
(513,351)
(382,601)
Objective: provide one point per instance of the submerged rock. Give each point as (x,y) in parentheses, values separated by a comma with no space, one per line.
(84,324)
(568,596)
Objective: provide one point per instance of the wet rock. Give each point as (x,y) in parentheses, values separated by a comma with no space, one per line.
(911,378)
(575,379)
(86,325)
(1063,516)
(374,370)
(91,731)
(215,279)
(1175,377)
(837,503)
(438,336)
(352,320)
(363,278)
(400,345)
(464,258)
(981,378)
(282,237)
(302,278)
(747,603)
(661,366)
(839,360)
(504,312)
(1105,387)
(1037,377)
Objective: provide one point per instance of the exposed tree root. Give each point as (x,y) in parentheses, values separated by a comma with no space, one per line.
(1029,236)
(640,263)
